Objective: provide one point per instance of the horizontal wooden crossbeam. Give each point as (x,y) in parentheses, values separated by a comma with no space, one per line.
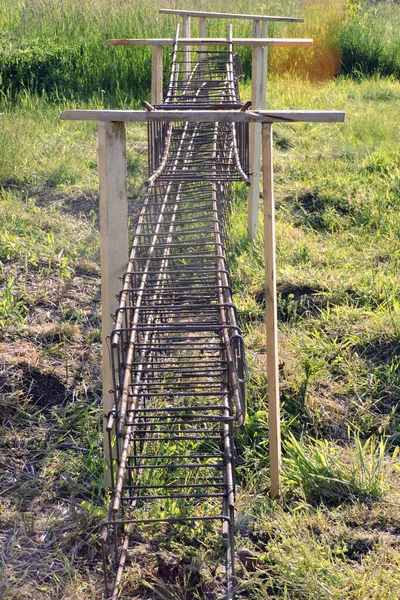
(208,116)
(281,42)
(218,15)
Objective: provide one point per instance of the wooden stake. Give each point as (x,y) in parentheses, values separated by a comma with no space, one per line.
(257,87)
(264,67)
(271,312)
(202,34)
(113,247)
(156,74)
(186,49)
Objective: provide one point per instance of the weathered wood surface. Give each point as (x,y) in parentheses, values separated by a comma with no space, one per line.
(219,15)
(186,67)
(202,34)
(198,116)
(258,97)
(271,317)
(113,245)
(281,42)
(157,75)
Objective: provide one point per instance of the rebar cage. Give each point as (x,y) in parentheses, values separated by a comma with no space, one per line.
(177,352)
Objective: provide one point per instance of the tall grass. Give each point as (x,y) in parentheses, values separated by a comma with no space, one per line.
(370,43)
(56,46)
(316,469)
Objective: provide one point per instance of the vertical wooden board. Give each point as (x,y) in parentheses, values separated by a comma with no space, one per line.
(255,135)
(113,246)
(186,49)
(255,177)
(257,68)
(271,312)
(202,34)
(264,67)
(156,74)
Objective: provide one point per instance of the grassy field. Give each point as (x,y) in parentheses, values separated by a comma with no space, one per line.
(336,533)
(55,47)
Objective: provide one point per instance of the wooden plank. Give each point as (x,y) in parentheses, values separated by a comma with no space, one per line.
(255,135)
(295,116)
(258,97)
(156,74)
(280,42)
(264,65)
(197,116)
(202,34)
(113,247)
(218,15)
(271,313)
(186,49)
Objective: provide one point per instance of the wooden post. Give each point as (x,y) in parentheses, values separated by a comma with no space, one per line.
(156,74)
(202,34)
(113,247)
(186,49)
(258,93)
(271,312)
(264,67)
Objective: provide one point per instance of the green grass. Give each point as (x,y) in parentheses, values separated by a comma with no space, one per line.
(337,232)
(316,472)
(56,47)
(335,533)
(369,43)
(337,196)
(337,228)
(344,553)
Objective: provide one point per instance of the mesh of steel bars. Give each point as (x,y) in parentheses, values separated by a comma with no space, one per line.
(177,353)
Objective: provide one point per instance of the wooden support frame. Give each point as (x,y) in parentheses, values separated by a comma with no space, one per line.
(259,43)
(204,15)
(113,247)
(112,151)
(114,235)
